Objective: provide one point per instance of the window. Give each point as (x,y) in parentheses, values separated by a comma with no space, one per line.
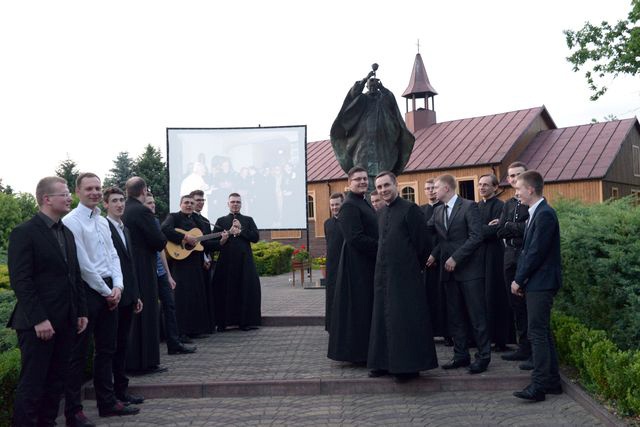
(614,192)
(467,189)
(408,193)
(636,160)
(311,206)
(636,194)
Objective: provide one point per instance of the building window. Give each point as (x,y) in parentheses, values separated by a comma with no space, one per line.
(615,193)
(636,194)
(311,207)
(636,160)
(408,193)
(467,189)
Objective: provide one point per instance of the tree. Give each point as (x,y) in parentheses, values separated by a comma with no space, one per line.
(121,171)
(608,49)
(150,166)
(68,169)
(6,189)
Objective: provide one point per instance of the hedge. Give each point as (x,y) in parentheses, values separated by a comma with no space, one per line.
(4,277)
(601,267)
(272,258)
(603,368)
(9,373)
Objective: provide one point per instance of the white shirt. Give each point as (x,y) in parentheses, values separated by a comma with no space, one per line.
(119,225)
(96,254)
(451,203)
(532,210)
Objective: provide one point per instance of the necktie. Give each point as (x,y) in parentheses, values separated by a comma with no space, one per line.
(446,216)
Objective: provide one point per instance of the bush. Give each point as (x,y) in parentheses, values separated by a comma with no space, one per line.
(4,277)
(272,258)
(9,373)
(601,267)
(602,367)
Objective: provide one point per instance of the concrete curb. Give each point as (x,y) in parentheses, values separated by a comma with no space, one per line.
(574,391)
(293,321)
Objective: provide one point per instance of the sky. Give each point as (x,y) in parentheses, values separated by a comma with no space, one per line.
(87,80)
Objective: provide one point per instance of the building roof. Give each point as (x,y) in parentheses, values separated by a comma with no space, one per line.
(459,143)
(577,152)
(419,82)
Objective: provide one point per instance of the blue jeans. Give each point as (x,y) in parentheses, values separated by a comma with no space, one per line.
(165,294)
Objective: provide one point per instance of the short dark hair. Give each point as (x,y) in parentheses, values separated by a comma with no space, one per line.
(494,179)
(186,196)
(84,175)
(197,193)
(135,186)
(355,170)
(388,173)
(233,195)
(430,181)
(374,193)
(450,180)
(109,191)
(337,195)
(45,186)
(533,179)
(518,165)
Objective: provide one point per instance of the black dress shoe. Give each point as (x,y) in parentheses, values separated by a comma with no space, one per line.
(155,370)
(553,390)
(530,393)
(516,355)
(118,410)
(501,348)
(448,342)
(129,399)
(456,363)
(478,366)
(185,340)
(375,373)
(182,349)
(405,377)
(527,365)
(248,328)
(221,328)
(79,419)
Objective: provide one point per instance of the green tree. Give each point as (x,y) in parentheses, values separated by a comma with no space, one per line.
(153,169)
(606,49)
(6,189)
(121,171)
(10,216)
(68,169)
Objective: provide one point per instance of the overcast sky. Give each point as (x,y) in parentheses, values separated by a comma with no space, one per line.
(89,79)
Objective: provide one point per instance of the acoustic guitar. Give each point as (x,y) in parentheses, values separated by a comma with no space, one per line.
(183,250)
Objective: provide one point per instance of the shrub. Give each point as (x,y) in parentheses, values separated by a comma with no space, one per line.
(601,267)
(272,258)
(9,373)
(602,367)
(4,277)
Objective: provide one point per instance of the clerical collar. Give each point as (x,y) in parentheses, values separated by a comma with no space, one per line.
(393,201)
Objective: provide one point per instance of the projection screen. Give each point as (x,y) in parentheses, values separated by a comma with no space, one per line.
(266,166)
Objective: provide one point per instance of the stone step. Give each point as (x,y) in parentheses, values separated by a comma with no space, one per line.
(292,320)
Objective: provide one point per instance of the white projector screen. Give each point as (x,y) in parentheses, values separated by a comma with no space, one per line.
(266,166)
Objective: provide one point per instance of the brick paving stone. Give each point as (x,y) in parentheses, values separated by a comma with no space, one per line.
(402,409)
(279,298)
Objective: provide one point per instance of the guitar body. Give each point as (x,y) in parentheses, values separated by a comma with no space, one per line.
(182,250)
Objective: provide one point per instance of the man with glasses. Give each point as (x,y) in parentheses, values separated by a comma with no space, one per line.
(51,306)
(208,263)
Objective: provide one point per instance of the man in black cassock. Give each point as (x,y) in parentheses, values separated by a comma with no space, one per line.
(436,296)
(190,295)
(143,355)
(236,285)
(353,300)
(401,339)
(334,239)
(498,312)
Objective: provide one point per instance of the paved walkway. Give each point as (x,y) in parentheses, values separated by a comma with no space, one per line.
(281,376)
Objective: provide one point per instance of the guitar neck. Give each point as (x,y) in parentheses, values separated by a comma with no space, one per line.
(209,236)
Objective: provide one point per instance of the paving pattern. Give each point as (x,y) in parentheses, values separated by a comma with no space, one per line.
(280,298)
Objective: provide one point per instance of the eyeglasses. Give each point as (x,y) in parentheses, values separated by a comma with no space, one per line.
(67,194)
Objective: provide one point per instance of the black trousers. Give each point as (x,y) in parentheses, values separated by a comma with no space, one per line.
(125,319)
(44,367)
(102,327)
(545,358)
(468,299)
(518,304)
(165,293)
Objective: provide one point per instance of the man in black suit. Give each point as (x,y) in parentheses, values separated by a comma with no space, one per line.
(51,306)
(539,277)
(146,240)
(334,239)
(113,201)
(460,255)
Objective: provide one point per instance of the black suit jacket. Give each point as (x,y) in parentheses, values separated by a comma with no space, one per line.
(462,240)
(131,292)
(540,264)
(46,286)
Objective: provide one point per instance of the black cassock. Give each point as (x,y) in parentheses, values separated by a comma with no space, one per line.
(353,298)
(212,245)
(334,239)
(499,315)
(401,339)
(146,241)
(236,285)
(436,296)
(190,295)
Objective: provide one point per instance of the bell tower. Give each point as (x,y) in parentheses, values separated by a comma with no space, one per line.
(419,117)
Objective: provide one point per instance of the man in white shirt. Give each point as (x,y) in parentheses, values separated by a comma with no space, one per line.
(101,272)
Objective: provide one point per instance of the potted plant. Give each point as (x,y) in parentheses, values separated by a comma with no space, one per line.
(321,263)
(300,257)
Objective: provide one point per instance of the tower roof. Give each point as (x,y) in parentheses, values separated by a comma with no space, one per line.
(419,83)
